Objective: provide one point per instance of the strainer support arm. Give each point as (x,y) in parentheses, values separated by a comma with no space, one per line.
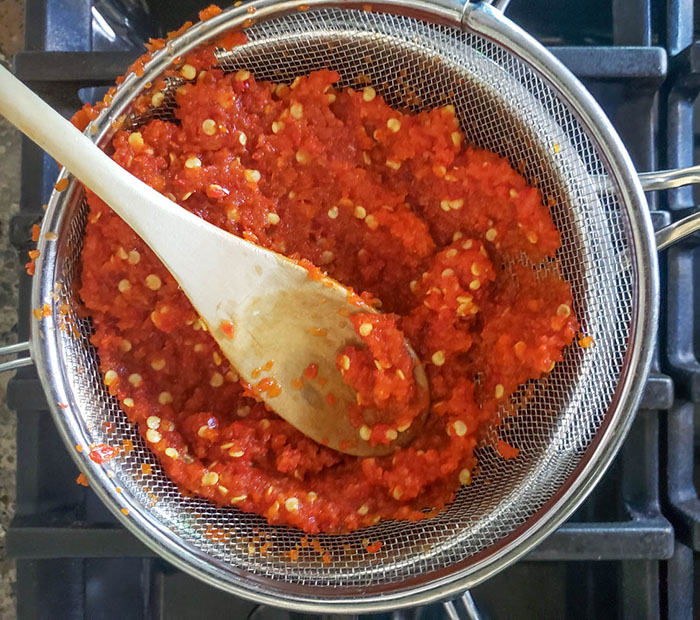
(11,349)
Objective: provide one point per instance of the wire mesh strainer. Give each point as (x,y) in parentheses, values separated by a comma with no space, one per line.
(511,97)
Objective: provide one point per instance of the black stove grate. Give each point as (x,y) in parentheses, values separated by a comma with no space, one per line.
(681,341)
(616,557)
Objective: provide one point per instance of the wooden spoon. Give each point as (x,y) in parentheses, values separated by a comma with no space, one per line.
(267,302)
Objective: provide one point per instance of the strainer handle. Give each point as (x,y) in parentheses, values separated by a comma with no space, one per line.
(669,179)
(678,230)
(11,349)
(463,608)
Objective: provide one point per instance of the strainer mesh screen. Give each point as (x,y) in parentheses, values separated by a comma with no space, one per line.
(506,107)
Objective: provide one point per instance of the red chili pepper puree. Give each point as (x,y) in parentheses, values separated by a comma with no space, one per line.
(393,204)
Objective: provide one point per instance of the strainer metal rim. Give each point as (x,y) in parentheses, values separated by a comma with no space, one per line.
(491,24)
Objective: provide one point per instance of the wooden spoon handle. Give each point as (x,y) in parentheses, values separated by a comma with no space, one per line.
(283,317)
(184,242)
(60,139)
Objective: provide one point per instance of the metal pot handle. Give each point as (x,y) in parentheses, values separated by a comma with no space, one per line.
(11,349)
(669,235)
(670,179)
(463,608)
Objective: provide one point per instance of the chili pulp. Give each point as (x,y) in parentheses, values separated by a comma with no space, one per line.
(394,204)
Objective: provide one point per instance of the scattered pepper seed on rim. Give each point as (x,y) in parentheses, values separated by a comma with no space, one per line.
(585,342)
(465,477)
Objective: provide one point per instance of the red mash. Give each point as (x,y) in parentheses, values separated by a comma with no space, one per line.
(393,204)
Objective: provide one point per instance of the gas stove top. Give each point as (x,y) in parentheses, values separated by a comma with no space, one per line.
(627,552)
